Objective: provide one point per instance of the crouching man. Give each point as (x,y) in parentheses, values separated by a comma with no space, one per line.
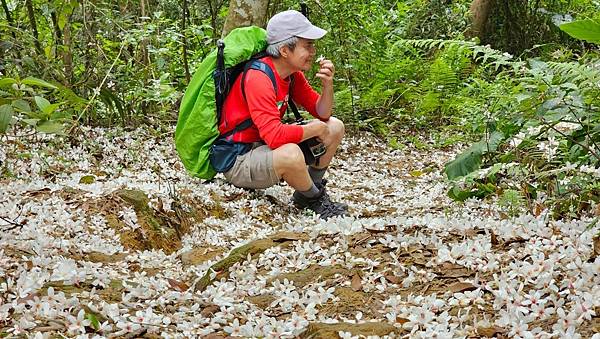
(269,149)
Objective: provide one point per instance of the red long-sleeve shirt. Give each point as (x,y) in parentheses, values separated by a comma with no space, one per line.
(265,108)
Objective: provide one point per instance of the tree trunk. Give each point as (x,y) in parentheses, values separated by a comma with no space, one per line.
(184,47)
(68,53)
(31,15)
(144,43)
(480,12)
(215,8)
(8,18)
(245,13)
(11,27)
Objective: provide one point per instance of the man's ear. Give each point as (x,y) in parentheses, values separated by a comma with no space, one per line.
(284,51)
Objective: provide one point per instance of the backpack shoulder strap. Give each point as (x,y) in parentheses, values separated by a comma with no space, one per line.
(291,103)
(258,65)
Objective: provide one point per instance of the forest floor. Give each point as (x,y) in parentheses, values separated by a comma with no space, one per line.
(105,234)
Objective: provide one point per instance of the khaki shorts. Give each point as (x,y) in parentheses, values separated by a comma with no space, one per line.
(253,169)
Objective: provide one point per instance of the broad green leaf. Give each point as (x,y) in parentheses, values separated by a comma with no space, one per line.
(6,114)
(470,160)
(42,103)
(7,82)
(588,30)
(49,52)
(58,115)
(21,106)
(32,121)
(50,127)
(93,320)
(465,163)
(51,108)
(35,115)
(31,81)
(62,20)
(457,194)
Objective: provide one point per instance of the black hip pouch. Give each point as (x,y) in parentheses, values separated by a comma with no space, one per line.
(312,149)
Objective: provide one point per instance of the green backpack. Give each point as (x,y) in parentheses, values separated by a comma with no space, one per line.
(197,125)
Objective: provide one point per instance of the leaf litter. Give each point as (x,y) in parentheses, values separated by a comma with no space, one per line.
(99,244)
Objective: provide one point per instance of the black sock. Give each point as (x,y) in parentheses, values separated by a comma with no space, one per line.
(316,174)
(312,192)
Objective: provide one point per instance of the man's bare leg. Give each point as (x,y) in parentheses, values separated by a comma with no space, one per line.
(289,164)
(336,133)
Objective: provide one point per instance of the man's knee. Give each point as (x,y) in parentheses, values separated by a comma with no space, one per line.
(288,156)
(336,127)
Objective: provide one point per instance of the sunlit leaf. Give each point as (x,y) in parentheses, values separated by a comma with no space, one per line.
(6,114)
(50,127)
(42,103)
(21,105)
(588,30)
(7,82)
(51,108)
(31,122)
(31,81)
(470,159)
(93,320)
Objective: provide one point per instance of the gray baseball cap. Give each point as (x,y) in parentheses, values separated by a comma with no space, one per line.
(291,23)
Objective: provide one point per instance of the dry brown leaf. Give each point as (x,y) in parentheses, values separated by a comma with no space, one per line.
(538,209)
(596,240)
(461,287)
(29,297)
(401,320)
(356,283)
(232,197)
(214,336)
(37,192)
(378,213)
(160,206)
(489,331)
(178,285)
(516,240)
(393,279)
(372,230)
(494,239)
(288,236)
(209,310)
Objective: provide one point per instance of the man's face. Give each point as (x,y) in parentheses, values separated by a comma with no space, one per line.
(302,57)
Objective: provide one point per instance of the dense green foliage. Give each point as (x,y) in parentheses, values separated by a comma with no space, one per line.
(525,100)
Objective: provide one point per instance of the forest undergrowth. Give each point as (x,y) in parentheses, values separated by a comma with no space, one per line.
(105,234)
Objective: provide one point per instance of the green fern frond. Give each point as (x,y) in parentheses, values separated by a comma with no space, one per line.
(586,76)
(484,54)
(441,74)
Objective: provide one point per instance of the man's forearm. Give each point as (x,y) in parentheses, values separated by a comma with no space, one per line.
(325,102)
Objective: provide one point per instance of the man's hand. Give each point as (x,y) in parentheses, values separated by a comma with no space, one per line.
(316,128)
(325,102)
(326,72)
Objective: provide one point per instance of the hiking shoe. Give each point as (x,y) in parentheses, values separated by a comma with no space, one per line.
(320,204)
(339,205)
